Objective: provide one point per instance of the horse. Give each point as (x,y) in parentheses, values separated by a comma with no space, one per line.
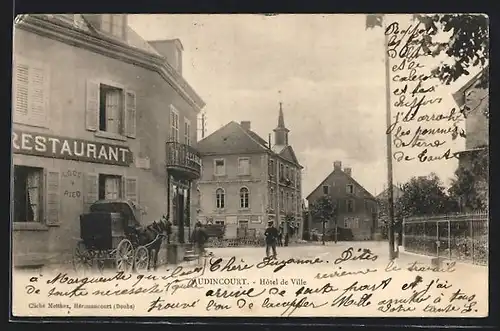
(152,237)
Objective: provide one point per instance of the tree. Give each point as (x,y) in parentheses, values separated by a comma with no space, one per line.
(467,46)
(424,196)
(470,186)
(324,209)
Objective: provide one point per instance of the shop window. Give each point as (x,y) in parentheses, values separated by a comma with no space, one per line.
(109,187)
(28,194)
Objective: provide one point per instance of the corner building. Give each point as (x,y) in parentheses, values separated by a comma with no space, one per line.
(98,113)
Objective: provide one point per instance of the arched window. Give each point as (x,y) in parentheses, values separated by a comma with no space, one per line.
(220,198)
(244,197)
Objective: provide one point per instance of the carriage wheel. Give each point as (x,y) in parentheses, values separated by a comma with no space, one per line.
(141,259)
(82,258)
(124,256)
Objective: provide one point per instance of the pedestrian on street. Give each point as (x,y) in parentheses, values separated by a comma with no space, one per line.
(199,238)
(280,238)
(271,235)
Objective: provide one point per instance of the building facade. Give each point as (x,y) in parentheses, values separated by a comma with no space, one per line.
(247,181)
(98,113)
(356,207)
(473,100)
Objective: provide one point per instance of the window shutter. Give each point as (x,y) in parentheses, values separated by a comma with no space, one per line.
(131,189)
(92,109)
(91,190)
(21,84)
(38,91)
(52,205)
(130,114)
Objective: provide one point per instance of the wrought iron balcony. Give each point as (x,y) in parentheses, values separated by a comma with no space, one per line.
(183,161)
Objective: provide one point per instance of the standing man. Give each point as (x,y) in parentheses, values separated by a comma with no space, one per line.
(199,237)
(271,235)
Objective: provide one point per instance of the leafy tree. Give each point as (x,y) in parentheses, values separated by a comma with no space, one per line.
(467,46)
(470,186)
(424,196)
(324,210)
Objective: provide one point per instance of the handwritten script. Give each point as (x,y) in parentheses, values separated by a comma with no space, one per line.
(423,126)
(355,282)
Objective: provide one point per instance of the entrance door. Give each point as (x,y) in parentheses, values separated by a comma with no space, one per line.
(180,214)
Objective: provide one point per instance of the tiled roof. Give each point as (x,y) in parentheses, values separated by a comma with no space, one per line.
(231,139)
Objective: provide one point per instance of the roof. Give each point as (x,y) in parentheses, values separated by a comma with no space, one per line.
(368,195)
(396,192)
(232,138)
(459,95)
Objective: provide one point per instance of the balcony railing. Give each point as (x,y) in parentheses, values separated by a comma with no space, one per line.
(183,161)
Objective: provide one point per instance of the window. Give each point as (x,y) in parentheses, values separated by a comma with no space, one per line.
(110,109)
(243,224)
(282,200)
(350,206)
(293,203)
(350,188)
(220,222)
(281,170)
(271,198)
(174,124)
(244,166)
(244,198)
(187,132)
(28,194)
(326,189)
(30,91)
(271,168)
(220,198)
(109,187)
(219,167)
(113,24)
(287,173)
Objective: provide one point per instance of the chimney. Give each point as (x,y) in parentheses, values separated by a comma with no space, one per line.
(337,165)
(348,171)
(245,125)
(269,141)
(170,50)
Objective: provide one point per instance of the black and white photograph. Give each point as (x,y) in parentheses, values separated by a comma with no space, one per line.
(250,165)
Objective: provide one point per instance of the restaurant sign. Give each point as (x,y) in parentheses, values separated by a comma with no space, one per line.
(44,145)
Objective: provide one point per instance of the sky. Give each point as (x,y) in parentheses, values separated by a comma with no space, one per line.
(328,71)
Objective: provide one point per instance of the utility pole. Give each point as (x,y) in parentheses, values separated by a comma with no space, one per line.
(390,192)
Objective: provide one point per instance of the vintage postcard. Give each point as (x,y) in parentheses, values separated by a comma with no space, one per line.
(250,165)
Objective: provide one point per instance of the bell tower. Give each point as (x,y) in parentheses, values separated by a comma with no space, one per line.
(281,132)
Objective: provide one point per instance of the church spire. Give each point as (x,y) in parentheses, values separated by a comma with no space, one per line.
(281,132)
(281,119)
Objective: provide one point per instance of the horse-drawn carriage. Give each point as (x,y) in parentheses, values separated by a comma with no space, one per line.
(111,234)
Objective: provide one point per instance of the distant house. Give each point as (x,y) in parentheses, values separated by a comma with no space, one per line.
(357,208)
(473,100)
(382,203)
(247,181)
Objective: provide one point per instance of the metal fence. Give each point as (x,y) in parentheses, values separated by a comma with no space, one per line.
(461,237)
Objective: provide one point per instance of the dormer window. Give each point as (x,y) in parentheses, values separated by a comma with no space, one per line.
(113,24)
